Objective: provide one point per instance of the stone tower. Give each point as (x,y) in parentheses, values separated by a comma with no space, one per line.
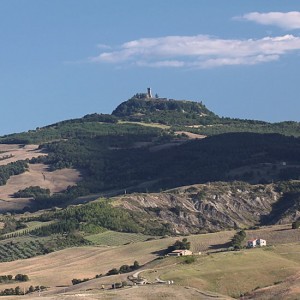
(149,95)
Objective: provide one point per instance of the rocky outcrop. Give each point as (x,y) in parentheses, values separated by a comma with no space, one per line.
(207,207)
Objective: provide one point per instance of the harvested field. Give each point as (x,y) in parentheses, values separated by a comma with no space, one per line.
(13,152)
(93,292)
(225,272)
(113,238)
(37,175)
(274,235)
(191,135)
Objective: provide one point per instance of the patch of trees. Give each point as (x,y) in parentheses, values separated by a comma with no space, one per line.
(32,192)
(21,277)
(13,168)
(90,126)
(77,281)
(100,213)
(237,240)
(184,244)
(10,278)
(124,269)
(11,224)
(18,291)
(20,249)
(164,112)
(227,125)
(118,285)
(296,224)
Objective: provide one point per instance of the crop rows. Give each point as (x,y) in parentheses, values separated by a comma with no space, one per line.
(13,251)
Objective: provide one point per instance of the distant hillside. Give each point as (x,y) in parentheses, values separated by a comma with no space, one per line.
(130,149)
(218,206)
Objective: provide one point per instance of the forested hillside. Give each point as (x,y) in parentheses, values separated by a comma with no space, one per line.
(114,153)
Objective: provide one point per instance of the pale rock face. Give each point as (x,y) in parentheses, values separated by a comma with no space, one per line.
(212,207)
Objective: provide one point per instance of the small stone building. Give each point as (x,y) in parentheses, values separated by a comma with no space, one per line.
(256,243)
(180,253)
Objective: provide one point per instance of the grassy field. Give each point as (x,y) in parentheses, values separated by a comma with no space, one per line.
(233,273)
(229,273)
(113,238)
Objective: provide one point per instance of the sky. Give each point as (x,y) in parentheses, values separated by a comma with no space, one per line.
(63,59)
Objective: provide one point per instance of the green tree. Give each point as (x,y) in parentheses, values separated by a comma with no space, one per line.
(296,224)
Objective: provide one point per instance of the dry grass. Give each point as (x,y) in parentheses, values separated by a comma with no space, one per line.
(233,273)
(37,175)
(157,292)
(225,272)
(191,135)
(18,152)
(61,267)
(277,234)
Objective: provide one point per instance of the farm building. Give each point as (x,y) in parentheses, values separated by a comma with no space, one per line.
(256,242)
(180,253)
(251,243)
(261,242)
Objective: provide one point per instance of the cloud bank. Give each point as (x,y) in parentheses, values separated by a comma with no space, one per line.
(200,51)
(288,20)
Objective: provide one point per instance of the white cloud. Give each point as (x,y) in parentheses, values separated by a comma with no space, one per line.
(288,20)
(103,46)
(200,51)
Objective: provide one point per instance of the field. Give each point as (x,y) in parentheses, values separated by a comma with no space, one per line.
(162,126)
(233,273)
(12,152)
(37,175)
(113,238)
(215,270)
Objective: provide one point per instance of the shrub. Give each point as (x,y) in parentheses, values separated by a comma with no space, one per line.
(189,259)
(296,224)
(113,271)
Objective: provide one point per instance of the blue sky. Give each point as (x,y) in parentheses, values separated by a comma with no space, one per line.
(62,59)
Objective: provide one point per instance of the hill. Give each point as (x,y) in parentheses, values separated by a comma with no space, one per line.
(164,111)
(194,117)
(93,193)
(121,152)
